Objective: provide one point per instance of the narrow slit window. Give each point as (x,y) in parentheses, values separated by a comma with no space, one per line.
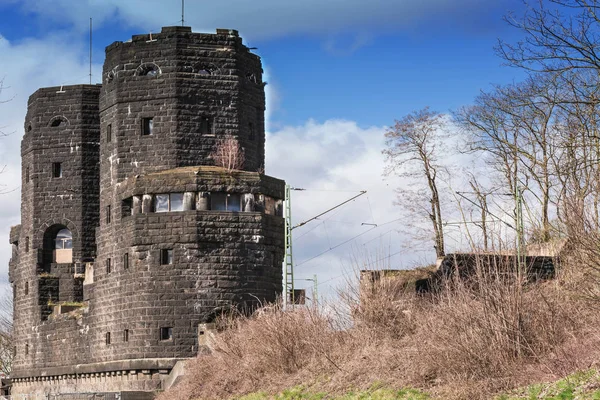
(147,126)
(108,266)
(108,214)
(109,133)
(26,288)
(251,133)
(126,261)
(166,333)
(27,175)
(126,335)
(57,170)
(206,125)
(166,256)
(107,338)
(26,348)
(27,244)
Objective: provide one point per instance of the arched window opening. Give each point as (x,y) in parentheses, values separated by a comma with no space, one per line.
(63,246)
(150,70)
(58,122)
(58,246)
(206,69)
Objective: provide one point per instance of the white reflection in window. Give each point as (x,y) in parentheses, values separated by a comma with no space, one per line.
(161,203)
(176,203)
(64,239)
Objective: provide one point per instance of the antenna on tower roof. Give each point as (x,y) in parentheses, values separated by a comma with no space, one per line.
(182,12)
(90,50)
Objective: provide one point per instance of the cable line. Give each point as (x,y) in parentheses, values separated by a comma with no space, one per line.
(335,247)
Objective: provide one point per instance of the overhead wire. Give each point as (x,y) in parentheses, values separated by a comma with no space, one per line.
(346,241)
(335,247)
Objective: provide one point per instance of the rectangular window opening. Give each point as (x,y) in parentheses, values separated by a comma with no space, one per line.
(126,261)
(109,133)
(166,256)
(251,134)
(161,203)
(108,212)
(176,202)
(206,125)
(126,335)
(26,288)
(147,126)
(166,333)
(27,244)
(107,338)
(26,348)
(225,201)
(168,202)
(56,170)
(108,266)
(127,207)
(27,175)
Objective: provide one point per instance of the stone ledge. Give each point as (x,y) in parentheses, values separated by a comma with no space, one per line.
(138,364)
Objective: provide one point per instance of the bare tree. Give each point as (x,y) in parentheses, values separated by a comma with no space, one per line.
(7,348)
(515,126)
(559,36)
(413,148)
(228,154)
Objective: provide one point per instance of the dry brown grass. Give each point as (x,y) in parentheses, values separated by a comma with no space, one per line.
(466,342)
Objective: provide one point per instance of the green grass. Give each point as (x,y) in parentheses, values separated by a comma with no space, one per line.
(582,385)
(376,392)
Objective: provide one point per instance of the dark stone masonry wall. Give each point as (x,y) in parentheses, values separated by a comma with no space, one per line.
(61,126)
(127,308)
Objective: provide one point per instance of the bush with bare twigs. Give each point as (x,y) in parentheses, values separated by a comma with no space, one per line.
(468,340)
(228,153)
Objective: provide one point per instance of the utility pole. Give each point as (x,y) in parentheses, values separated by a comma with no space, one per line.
(520,232)
(288,263)
(315,295)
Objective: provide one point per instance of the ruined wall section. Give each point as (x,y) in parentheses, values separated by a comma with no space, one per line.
(61,127)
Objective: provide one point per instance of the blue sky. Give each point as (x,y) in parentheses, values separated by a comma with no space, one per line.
(339,73)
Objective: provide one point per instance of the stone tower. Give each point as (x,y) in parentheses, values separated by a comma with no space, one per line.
(131,237)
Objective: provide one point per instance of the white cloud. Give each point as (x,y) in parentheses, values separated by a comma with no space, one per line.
(337,156)
(26,66)
(262,19)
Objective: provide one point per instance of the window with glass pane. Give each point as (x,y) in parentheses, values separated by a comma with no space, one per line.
(64,239)
(218,201)
(233,202)
(176,202)
(161,203)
